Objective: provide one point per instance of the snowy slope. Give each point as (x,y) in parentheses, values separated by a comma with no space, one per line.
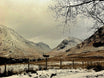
(68,43)
(65,73)
(43,47)
(65,46)
(15,46)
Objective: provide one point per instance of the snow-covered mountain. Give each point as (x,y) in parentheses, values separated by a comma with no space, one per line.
(68,43)
(15,46)
(65,46)
(91,47)
(43,47)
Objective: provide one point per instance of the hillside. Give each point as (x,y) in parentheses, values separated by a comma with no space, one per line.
(93,46)
(65,46)
(15,46)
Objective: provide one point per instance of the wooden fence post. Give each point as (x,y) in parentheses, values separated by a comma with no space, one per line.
(91,63)
(73,64)
(5,69)
(46,56)
(46,63)
(28,65)
(60,63)
(87,63)
(82,64)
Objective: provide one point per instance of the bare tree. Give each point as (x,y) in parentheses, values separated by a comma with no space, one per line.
(70,9)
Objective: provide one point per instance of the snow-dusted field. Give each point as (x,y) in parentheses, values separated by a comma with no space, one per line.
(17,67)
(62,73)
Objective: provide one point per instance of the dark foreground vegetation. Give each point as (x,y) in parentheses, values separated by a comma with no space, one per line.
(97,67)
(13,61)
(11,72)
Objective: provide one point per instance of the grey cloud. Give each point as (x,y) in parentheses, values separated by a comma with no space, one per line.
(32,19)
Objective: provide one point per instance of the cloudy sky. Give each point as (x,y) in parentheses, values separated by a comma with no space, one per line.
(33,20)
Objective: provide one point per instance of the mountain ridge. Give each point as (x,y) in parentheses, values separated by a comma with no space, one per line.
(64,46)
(13,45)
(92,46)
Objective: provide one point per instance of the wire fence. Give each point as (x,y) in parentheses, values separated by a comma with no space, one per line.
(9,69)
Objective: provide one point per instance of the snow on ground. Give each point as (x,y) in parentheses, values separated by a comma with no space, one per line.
(62,73)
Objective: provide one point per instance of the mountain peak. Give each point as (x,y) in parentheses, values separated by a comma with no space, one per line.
(44,47)
(68,43)
(91,47)
(65,46)
(15,46)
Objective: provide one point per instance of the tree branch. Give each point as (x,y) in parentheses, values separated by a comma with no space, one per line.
(83,3)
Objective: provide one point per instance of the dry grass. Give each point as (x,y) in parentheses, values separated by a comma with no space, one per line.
(84,62)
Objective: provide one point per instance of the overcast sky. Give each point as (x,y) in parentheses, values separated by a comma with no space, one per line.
(34,21)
